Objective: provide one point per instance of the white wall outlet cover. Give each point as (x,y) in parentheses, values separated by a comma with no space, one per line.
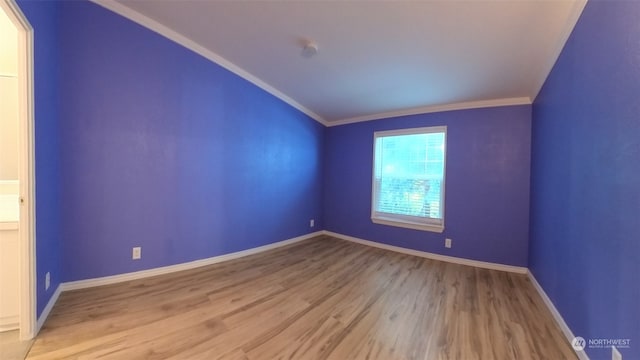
(447,243)
(312,223)
(136,253)
(47,280)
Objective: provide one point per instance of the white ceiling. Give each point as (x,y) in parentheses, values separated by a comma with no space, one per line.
(375,58)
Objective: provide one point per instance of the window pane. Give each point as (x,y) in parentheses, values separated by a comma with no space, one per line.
(408,174)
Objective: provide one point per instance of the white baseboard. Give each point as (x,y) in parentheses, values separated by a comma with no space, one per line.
(81,284)
(8,323)
(47,309)
(428,255)
(556,314)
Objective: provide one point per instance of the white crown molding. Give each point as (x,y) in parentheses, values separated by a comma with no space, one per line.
(576,11)
(435,108)
(107,280)
(566,330)
(47,309)
(175,36)
(428,255)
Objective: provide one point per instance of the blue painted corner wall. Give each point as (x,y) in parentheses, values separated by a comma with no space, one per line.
(43,17)
(585,191)
(163,149)
(141,142)
(487,184)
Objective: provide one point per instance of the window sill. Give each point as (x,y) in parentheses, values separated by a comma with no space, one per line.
(408,224)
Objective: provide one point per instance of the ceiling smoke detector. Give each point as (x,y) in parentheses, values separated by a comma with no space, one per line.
(310,49)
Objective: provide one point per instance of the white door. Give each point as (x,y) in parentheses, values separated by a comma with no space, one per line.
(9,175)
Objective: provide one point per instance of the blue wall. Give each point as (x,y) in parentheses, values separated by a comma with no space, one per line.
(487,184)
(141,142)
(585,196)
(163,149)
(43,18)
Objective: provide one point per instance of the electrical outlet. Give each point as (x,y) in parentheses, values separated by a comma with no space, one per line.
(312,223)
(47,280)
(447,243)
(615,354)
(136,253)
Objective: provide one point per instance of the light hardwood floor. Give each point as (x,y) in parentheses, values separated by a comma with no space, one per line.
(320,299)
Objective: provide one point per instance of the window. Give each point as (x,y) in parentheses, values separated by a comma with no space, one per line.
(408,178)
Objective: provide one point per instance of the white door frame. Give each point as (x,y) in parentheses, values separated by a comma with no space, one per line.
(26,145)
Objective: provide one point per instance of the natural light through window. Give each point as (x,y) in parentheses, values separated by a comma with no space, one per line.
(408,178)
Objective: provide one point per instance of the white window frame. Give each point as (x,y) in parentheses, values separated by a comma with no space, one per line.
(408,221)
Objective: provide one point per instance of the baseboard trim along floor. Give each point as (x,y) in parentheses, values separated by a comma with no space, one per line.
(428,255)
(81,284)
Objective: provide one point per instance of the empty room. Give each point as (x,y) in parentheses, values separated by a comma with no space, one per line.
(320,179)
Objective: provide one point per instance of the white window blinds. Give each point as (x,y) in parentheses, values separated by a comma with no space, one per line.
(408,178)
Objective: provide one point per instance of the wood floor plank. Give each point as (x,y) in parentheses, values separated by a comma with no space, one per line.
(320,299)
